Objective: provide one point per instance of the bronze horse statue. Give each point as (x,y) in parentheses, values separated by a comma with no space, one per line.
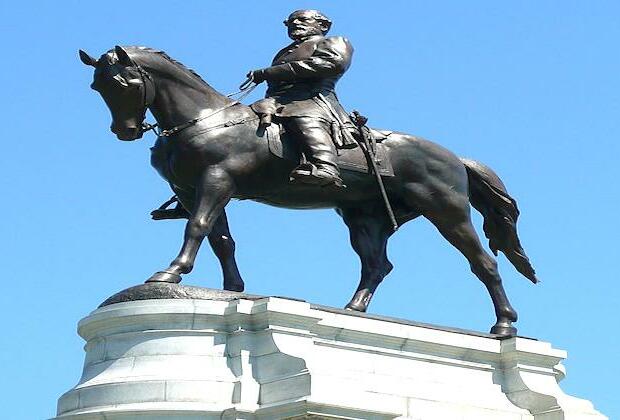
(211,152)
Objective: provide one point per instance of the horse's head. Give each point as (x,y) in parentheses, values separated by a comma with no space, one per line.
(126,88)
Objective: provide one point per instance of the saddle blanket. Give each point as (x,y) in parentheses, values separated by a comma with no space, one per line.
(352,159)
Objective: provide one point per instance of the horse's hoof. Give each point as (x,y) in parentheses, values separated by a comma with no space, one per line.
(360,300)
(504,330)
(235,287)
(356,308)
(164,277)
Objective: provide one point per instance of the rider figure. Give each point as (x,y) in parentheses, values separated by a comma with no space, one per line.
(301,82)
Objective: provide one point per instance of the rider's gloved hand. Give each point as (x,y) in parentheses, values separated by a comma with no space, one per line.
(257,76)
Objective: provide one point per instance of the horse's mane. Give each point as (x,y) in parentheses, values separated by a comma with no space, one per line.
(133,49)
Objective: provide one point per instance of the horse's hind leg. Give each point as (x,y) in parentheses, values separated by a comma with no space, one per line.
(369,231)
(223,246)
(454,223)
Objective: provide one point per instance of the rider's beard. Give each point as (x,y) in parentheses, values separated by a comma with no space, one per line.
(301,32)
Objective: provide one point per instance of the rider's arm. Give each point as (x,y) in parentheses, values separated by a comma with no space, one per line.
(331,58)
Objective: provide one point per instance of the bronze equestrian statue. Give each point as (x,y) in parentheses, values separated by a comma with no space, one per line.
(211,150)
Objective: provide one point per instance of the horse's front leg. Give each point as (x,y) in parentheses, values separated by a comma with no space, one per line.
(213,192)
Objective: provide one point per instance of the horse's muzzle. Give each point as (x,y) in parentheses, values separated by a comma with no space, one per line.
(127,133)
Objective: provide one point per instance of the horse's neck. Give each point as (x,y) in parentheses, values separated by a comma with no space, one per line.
(180,100)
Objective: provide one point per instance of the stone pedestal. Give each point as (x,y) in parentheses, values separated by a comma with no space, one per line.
(233,356)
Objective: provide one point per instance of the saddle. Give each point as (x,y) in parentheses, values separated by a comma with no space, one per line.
(351,158)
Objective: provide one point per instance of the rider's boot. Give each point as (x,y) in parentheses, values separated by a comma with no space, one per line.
(321,167)
(317,174)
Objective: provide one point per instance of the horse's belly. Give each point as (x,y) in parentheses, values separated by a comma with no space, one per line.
(300,204)
(314,197)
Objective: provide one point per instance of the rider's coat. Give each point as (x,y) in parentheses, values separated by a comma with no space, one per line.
(303,76)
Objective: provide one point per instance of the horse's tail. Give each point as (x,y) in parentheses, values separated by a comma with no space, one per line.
(488,195)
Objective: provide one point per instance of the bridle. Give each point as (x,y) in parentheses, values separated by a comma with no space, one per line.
(144,76)
(245,89)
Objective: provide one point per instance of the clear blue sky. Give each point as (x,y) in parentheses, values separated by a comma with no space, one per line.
(531,88)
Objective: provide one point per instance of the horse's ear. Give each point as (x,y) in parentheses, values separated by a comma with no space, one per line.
(87,59)
(123,57)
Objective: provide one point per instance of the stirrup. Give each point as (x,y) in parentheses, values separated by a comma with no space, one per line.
(309,174)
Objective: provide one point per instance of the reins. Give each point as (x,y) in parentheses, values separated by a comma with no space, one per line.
(245,89)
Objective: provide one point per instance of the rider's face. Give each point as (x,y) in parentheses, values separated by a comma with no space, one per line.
(302,25)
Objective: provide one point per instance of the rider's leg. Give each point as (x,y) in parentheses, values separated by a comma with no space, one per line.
(314,135)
